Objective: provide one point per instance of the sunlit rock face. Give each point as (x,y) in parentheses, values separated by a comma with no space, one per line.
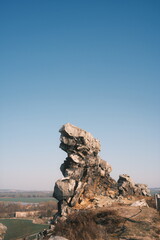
(127,187)
(86,175)
(3,230)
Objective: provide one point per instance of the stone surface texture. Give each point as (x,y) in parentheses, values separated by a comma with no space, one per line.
(86,175)
(3,230)
(140,203)
(127,187)
(57,238)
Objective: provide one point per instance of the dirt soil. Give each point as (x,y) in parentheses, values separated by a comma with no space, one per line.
(139,223)
(113,222)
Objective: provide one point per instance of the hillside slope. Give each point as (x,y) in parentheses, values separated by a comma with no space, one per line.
(114,222)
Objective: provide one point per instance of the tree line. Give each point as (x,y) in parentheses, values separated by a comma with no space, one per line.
(8,209)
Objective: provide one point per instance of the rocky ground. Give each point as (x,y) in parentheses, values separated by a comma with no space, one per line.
(127,223)
(3,230)
(119,221)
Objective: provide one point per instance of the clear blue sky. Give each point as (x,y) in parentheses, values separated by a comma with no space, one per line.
(95,64)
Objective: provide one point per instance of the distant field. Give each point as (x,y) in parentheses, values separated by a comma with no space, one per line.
(154,191)
(27,200)
(17,228)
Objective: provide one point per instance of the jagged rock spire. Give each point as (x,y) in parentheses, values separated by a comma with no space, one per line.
(86,175)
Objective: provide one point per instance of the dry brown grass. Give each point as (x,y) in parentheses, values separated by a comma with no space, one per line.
(89,225)
(116,222)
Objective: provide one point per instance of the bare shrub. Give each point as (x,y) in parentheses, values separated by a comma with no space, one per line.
(109,219)
(88,225)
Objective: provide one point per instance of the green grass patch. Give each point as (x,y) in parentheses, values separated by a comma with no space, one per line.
(17,228)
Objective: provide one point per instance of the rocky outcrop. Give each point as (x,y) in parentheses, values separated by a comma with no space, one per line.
(127,187)
(3,230)
(86,175)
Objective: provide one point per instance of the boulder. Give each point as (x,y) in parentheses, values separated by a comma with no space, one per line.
(140,203)
(126,186)
(3,230)
(104,166)
(74,140)
(143,189)
(57,238)
(64,188)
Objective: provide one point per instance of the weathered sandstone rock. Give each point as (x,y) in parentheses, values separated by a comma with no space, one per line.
(64,188)
(140,203)
(75,140)
(3,230)
(127,187)
(86,175)
(142,189)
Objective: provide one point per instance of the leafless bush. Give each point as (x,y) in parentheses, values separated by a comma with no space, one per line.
(46,209)
(88,225)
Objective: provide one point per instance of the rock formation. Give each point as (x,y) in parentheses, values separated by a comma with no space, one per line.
(127,187)
(3,230)
(86,175)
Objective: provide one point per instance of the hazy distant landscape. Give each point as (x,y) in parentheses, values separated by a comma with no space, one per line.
(12,201)
(25,196)
(36,196)
(14,192)
(154,190)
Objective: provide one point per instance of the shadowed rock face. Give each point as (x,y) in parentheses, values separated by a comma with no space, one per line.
(86,175)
